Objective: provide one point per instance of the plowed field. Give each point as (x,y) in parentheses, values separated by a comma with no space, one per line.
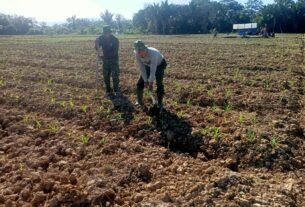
(231,134)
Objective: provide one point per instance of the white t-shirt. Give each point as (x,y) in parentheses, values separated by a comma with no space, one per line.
(152,60)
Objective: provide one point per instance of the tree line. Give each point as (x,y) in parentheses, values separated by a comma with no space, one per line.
(197,17)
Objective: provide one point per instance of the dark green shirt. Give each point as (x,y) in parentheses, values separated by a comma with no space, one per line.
(110,46)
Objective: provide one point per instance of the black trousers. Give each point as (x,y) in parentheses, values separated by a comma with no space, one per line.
(159,78)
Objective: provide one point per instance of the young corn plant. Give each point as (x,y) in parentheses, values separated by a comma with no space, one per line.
(26,119)
(216,133)
(181,114)
(228,107)
(174,103)
(251,135)
(2,83)
(117,117)
(274,142)
(109,110)
(210,117)
(267,84)
(228,93)
(53,128)
(188,102)
(50,82)
(204,131)
(62,104)
(102,142)
(241,118)
(71,103)
(37,123)
(210,93)
(84,108)
(100,109)
(53,100)
(149,121)
(84,138)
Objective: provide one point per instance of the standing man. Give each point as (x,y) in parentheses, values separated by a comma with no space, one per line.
(152,65)
(110,57)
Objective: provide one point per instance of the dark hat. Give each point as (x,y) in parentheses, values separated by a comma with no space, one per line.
(139,45)
(106,29)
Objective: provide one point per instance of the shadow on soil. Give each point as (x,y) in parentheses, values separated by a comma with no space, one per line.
(176,133)
(122,104)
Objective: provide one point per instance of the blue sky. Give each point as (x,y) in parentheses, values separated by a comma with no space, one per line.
(59,10)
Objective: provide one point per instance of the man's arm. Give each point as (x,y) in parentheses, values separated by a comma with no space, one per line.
(153,69)
(98,48)
(142,68)
(97,44)
(117,45)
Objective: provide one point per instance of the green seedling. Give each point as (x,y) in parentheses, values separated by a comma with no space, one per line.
(2,83)
(26,119)
(37,124)
(103,142)
(62,104)
(84,138)
(109,110)
(53,101)
(174,103)
(50,82)
(267,84)
(251,135)
(117,117)
(210,93)
(241,118)
(71,103)
(204,131)
(273,142)
(228,93)
(53,128)
(228,107)
(100,109)
(216,133)
(84,108)
(189,102)
(181,114)
(149,121)
(210,117)
(136,118)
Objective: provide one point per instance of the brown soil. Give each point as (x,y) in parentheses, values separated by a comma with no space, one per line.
(231,133)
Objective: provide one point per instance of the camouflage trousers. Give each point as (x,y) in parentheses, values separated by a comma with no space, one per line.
(111,69)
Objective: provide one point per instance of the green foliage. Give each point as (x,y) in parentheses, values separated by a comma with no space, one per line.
(216,133)
(53,127)
(84,138)
(181,114)
(228,107)
(71,103)
(102,142)
(204,131)
(84,108)
(198,16)
(251,135)
(2,83)
(274,142)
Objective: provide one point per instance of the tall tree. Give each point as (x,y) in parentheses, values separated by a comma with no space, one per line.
(107,17)
(253,7)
